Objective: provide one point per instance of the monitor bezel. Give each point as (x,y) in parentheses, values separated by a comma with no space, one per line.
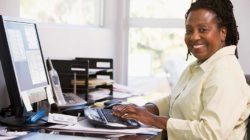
(14,91)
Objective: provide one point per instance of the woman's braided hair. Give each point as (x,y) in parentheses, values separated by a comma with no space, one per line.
(225,17)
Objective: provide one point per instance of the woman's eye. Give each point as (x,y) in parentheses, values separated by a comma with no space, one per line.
(188,31)
(202,30)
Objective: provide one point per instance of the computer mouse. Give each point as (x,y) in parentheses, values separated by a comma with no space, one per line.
(110,106)
(111,102)
(74,111)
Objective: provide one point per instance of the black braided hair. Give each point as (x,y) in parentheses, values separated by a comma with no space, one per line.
(225,17)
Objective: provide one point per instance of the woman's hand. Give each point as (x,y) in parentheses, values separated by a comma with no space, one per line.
(132,111)
(142,114)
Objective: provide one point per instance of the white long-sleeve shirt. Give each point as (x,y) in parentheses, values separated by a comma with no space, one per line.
(211,101)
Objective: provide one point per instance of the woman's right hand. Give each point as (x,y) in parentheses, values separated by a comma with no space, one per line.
(132,111)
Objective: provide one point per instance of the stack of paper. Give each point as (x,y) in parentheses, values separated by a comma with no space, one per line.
(98,94)
(85,127)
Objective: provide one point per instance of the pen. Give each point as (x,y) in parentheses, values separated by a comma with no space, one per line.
(78,116)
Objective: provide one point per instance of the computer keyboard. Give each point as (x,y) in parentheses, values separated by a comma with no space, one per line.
(72,100)
(106,114)
(69,98)
(104,118)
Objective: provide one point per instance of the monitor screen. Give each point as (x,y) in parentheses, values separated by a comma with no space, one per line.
(26,55)
(22,61)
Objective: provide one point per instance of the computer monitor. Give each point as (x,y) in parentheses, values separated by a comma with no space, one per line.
(23,66)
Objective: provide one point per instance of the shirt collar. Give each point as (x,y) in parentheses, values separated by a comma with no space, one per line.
(227,50)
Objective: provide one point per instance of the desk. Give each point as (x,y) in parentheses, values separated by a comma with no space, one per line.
(112,136)
(43,133)
(85,135)
(44,136)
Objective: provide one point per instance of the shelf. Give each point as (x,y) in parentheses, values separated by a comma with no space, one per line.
(99,71)
(93,82)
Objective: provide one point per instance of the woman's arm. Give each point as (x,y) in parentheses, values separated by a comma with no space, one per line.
(146,114)
(152,108)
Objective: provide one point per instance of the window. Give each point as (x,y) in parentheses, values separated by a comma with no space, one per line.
(81,12)
(156,47)
(158,8)
(151,47)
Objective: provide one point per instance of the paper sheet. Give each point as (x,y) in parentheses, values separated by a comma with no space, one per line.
(85,126)
(50,95)
(26,101)
(11,135)
(121,95)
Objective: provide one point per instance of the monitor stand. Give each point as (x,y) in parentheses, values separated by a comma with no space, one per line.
(22,118)
(21,122)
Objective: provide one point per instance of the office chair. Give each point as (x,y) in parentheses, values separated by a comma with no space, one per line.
(248,125)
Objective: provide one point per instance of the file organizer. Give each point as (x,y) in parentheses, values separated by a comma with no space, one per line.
(82,76)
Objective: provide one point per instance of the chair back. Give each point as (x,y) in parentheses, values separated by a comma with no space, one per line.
(248,125)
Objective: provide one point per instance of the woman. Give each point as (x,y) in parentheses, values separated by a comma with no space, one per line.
(211,98)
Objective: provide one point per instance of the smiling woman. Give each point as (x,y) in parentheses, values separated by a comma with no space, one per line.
(81,12)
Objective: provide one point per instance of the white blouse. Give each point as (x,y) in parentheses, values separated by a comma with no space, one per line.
(211,101)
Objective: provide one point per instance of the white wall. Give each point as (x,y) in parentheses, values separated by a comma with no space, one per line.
(9,7)
(243,21)
(60,41)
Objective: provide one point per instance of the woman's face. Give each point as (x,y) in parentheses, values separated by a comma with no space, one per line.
(203,36)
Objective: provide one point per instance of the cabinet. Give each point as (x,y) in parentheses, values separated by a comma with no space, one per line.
(90,78)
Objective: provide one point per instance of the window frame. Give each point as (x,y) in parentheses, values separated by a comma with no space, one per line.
(99,17)
(132,22)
